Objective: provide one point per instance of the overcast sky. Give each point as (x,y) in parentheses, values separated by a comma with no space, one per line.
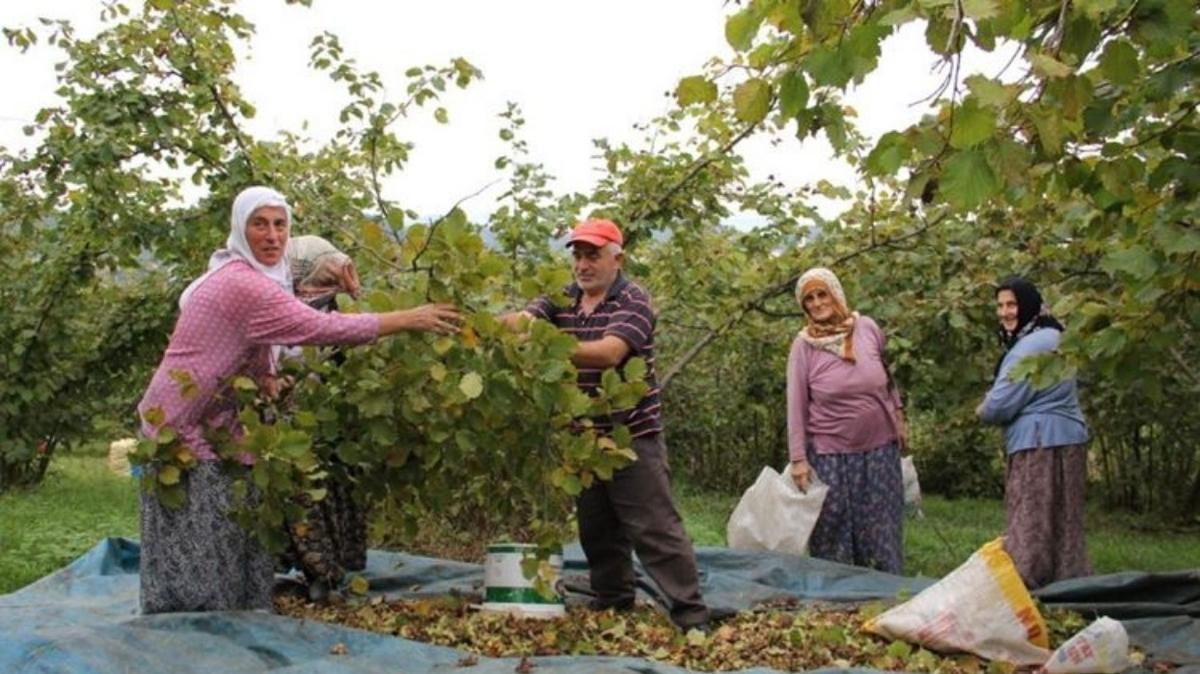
(579,69)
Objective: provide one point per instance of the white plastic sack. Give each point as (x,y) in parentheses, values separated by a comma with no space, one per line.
(775,515)
(1099,648)
(982,607)
(912,486)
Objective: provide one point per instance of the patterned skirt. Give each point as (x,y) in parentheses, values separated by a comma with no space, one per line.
(195,558)
(862,519)
(1044,494)
(332,538)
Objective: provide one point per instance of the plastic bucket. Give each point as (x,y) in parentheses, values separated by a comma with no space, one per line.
(507,590)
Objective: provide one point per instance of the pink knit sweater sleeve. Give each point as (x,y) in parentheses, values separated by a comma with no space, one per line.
(797,401)
(273,317)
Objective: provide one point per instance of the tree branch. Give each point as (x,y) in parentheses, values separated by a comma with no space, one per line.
(215,93)
(779,289)
(1185,367)
(384,210)
(433,227)
(697,166)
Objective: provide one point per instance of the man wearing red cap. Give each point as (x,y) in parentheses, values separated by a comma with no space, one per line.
(613,319)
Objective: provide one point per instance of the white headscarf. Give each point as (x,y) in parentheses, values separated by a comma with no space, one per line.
(237,248)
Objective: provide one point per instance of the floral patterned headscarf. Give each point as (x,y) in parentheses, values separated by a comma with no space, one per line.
(836,334)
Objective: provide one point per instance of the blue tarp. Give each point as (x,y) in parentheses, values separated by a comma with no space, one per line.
(84,618)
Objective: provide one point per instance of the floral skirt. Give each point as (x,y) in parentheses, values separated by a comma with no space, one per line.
(1044,494)
(332,538)
(862,519)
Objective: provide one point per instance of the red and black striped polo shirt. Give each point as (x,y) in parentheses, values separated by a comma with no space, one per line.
(627,313)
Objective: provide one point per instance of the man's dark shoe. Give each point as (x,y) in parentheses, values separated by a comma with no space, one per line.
(602,604)
(716,616)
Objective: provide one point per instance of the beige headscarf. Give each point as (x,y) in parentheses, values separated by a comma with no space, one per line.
(835,335)
(317,267)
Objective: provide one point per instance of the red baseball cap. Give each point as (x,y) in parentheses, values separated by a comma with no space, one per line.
(596,232)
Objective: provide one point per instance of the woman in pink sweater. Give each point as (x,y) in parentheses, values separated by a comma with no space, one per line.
(844,423)
(194,558)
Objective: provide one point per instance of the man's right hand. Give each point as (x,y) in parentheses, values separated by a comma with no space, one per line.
(517,321)
(800,475)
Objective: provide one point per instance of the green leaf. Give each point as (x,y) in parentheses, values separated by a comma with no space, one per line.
(1049,126)
(752,100)
(900,16)
(1135,261)
(635,369)
(294,444)
(437,372)
(793,93)
(972,125)
(471,385)
(741,28)
(827,67)
(441,345)
(359,585)
(980,9)
(441,115)
(1119,62)
(1094,8)
(610,382)
(967,180)
(1108,342)
(169,475)
(891,151)
(989,92)
(552,370)
(1177,240)
(155,416)
(1048,66)
(1009,159)
(695,89)
(571,485)
(243,383)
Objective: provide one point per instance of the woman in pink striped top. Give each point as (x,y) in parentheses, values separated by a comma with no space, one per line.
(844,421)
(194,558)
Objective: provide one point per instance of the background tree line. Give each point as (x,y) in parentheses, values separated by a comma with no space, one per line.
(1078,170)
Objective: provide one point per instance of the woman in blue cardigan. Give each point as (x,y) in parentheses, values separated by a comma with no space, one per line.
(1046,437)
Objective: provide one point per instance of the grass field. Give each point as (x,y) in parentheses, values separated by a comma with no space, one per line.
(81,502)
(78,504)
(952,529)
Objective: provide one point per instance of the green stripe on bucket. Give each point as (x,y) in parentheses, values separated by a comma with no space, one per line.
(518,595)
(518,547)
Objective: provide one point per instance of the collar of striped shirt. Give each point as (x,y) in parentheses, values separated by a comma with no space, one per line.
(615,289)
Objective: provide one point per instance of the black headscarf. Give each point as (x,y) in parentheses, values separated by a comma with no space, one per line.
(1031,314)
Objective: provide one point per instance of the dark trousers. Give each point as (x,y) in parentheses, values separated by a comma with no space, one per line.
(635,511)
